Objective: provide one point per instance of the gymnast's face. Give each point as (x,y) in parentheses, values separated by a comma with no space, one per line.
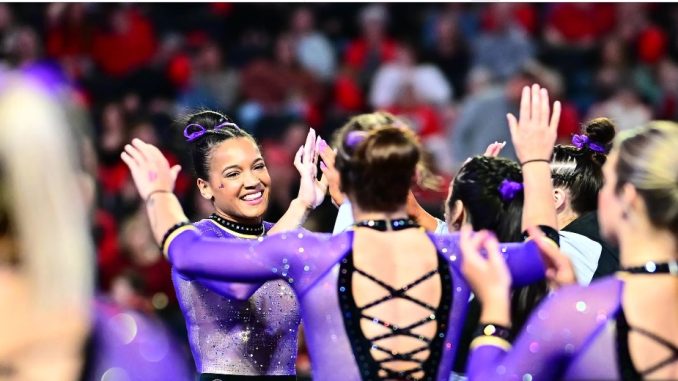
(610,208)
(238,181)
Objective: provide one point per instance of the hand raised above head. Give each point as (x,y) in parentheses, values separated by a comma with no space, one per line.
(150,169)
(534,133)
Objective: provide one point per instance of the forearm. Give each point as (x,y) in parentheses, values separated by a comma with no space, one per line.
(164,211)
(294,217)
(538,208)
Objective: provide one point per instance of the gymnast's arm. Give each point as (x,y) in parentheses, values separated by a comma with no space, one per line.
(523,260)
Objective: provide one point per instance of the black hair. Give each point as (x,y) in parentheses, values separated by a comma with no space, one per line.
(477,186)
(201,147)
(579,170)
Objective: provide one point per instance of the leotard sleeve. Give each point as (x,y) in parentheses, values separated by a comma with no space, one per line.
(561,327)
(297,256)
(523,259)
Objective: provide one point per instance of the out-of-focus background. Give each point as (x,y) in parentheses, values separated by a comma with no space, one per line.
(452,71)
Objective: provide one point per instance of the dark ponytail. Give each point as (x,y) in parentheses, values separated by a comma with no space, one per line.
(579,168)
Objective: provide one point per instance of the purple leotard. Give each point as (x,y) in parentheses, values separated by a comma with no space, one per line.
(571,336)
(238,329)
(311,264)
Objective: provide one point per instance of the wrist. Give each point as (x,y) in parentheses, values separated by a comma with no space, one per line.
(496,310)
(300,205)
(535,161)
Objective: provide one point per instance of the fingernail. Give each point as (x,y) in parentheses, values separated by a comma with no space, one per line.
(323,166)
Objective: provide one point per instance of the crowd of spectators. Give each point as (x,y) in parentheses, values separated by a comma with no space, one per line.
(452,71)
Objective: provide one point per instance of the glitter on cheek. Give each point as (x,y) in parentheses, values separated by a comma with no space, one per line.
(221,186)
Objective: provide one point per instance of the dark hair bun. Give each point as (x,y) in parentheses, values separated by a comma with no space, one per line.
(600,131)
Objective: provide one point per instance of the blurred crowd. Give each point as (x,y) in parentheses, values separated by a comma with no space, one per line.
(453,71)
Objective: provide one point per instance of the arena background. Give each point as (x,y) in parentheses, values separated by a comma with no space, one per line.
(452,71)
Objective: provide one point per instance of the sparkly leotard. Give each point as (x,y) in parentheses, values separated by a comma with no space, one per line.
(579,333)
(313,264)
(238,329)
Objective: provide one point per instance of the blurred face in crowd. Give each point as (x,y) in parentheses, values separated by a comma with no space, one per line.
(238,181)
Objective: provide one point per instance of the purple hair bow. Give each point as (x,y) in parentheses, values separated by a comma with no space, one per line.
(354,138)
(581,141)
(195,130)
(509,189)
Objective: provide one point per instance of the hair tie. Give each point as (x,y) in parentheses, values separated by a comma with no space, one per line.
(354,138)
(582,141)
(195,130)
(509,189)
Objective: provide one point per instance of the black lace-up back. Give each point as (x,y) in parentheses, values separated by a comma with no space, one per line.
(373,369)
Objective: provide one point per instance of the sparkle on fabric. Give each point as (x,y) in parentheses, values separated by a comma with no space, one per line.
(581,306)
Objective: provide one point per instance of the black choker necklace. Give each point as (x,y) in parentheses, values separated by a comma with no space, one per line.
(670,267)
(257,229)
(384,225)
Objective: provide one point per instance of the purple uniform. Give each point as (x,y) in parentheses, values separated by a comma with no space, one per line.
(318,268)
(238,329)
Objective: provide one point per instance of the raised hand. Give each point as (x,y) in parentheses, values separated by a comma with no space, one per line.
(328,156)
(311,190)
(151,171)
(535,132)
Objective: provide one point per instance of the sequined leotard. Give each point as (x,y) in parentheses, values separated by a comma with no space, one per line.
(312,264)
(579,333)
(230,332)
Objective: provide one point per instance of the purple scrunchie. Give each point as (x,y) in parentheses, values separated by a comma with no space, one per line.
(581,141)
(509,189)
(194,130)
(354,138)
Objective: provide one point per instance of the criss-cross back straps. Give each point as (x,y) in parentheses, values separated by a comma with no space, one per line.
(396,330)
(660,340)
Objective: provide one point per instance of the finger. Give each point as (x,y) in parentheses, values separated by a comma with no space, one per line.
(535,115)
(175,172)
(555,117)
(545,108)
(490,149)
(524,116)
(513,125)
(324,182)
(135,154)
(308,147)
(297,159)
(155,153)
(327,153)
(129,160)
(494,256)
(316,151)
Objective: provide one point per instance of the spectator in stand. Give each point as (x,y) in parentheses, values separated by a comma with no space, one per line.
(69,37)
(427,81)
(313,50)
(504,48)
(450,52)
(578,25)
(625,107)
(126,30)
(482,119)
(276,90)
(213,84)
(23,47)
(667,73)
(366,53)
